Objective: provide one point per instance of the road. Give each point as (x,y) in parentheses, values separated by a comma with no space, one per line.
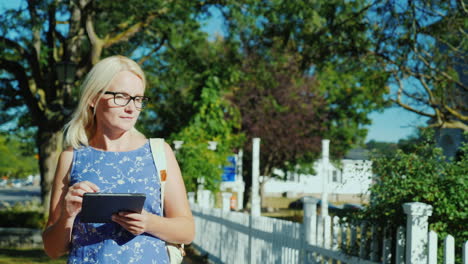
(13,195)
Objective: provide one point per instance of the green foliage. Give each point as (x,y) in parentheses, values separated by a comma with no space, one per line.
(381,148)
(27,215)
(217,121)
(17,158)
(351,92)
(421,176)
(330,42)
(177,79)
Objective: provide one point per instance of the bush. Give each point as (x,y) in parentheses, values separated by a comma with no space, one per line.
(27,215)
(423,175)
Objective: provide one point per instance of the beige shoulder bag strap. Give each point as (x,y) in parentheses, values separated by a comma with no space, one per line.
(175,251)
(159,158)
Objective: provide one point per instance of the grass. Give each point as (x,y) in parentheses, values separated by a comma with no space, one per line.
(27,256)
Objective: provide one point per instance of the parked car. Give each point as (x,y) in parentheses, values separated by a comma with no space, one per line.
(299,204)
(17,183)
(352,207)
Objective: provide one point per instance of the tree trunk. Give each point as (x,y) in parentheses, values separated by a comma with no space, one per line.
(50,145)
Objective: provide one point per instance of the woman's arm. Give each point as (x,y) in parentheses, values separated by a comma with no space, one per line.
(65,204)
(177,226)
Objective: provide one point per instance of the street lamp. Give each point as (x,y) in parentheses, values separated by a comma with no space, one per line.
(66,76)
(66,72)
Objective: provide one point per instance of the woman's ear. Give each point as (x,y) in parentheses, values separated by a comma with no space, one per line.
(92,102)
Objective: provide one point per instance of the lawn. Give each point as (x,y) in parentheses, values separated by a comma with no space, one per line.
(27,256)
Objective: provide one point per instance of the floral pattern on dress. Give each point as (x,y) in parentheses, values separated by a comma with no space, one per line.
(116,172)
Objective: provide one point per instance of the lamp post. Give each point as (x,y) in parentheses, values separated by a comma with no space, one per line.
(66,76)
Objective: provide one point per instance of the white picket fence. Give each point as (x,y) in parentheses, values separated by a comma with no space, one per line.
(233,237)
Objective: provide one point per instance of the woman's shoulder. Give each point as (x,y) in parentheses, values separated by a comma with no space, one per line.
(66,156)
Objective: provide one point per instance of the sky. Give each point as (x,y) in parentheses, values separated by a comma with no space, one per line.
(390,125)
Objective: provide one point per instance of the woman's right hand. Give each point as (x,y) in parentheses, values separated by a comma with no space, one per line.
(74,197)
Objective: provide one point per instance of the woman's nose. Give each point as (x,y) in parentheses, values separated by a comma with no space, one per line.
(130,107)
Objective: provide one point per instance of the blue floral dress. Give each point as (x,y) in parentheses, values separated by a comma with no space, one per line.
(118,172)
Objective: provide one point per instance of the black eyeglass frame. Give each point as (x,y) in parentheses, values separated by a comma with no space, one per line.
(143,102)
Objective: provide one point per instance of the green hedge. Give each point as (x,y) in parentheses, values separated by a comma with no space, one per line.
(29,219)
(27,215)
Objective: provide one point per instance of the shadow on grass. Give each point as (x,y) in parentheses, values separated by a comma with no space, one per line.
(27,256)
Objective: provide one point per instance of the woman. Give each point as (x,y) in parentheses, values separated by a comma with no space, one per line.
(107,154)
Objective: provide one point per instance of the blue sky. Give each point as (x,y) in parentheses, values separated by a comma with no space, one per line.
(389,126)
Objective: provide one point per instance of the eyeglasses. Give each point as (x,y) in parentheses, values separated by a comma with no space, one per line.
(123,99)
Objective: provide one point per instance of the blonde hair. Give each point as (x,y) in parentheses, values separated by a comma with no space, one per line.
(82,126)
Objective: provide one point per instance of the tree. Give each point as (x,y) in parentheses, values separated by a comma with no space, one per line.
(217,120)
(382,148)
(422,45)
(284,109)
(178,78)
(330,42)
(320,47)
(39,34)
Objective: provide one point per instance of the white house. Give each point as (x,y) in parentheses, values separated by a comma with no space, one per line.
(349,181)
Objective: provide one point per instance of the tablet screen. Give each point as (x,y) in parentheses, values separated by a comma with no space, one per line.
(99,207)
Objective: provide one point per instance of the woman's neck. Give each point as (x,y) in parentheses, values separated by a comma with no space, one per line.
(126,141)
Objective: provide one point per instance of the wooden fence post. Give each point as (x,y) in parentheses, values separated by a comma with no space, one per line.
(310,219)
(255,198)
(191,197)
(416,231)
(309,224)
(226,201)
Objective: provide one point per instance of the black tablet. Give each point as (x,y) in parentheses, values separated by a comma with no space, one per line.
(99,207)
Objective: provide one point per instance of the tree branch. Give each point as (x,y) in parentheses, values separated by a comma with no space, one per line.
(450,124)
(20,75)
(36,32)
(50,88)
(455,113)
(409,108)
(406,106)
(96,43)
(158,47)
(132,30)
(24,54)
(444,74)
(15,46)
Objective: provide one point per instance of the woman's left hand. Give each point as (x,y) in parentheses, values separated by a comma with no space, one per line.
(134,223)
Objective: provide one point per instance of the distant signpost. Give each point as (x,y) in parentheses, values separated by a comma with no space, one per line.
(229,171)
